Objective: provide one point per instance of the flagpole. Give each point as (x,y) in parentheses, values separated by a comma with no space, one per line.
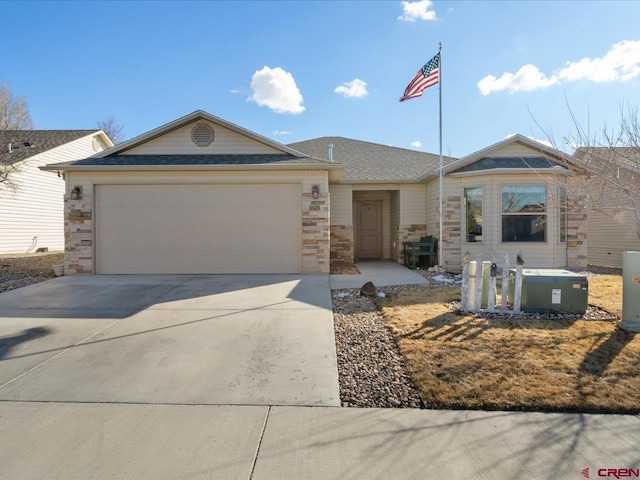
(441,241)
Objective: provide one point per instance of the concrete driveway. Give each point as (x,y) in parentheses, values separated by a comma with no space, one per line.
(170,339)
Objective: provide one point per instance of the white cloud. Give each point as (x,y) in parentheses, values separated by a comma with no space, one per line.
(416,144)
(620,63)
(282,132)
(420,10)
(276,89)
(544,142)
(353,89)
(527,78)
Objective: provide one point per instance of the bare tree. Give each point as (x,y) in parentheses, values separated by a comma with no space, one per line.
(113,129)
(14,115)
(14,112)
(612,159)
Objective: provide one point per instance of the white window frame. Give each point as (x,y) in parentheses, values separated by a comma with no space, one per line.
(544,214)
(464,218)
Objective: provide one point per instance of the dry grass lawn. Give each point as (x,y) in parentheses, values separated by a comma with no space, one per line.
(517,364)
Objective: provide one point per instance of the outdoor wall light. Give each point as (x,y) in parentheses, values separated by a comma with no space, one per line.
(75,193)
(315,191)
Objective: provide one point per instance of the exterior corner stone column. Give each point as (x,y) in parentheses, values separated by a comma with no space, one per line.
(451,232)
(341,243)
(78,234)
(577,231)
(315,234)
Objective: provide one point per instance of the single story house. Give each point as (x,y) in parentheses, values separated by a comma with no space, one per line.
(613,200)
(31,201)
(202,195)
(515,196)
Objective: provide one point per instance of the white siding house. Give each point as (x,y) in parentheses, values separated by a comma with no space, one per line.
(613,224)
(32,208)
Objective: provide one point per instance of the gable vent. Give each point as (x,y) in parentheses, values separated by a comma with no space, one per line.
(202,135)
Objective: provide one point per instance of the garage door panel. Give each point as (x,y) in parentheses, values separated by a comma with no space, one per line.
(196,244)
(181,264)
(148,196)
(156,221)
(198,229)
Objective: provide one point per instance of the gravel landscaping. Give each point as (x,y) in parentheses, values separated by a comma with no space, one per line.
(20,270)
(371,371)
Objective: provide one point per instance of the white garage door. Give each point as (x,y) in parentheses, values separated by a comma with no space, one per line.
(198,229)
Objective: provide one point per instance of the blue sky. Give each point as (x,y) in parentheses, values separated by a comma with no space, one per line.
(296,70)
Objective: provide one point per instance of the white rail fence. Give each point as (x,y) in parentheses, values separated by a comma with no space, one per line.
(473,284)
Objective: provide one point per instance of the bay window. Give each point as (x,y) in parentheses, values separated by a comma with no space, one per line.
(524,213)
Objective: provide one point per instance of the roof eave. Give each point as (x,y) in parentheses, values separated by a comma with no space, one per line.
(517,171)
(61,167)
(376,182)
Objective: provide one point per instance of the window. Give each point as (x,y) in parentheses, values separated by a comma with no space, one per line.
(562,214)
(473,214)
(524,213)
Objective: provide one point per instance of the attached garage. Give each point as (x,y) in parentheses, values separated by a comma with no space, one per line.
(169,229)
(198,195)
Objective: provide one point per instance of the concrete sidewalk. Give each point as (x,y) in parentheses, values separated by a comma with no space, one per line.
(66,440)
(383,273)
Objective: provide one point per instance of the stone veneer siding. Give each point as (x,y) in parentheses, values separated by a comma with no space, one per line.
(315,234)
(408,233)
(451,232)
(577,230)
(78,234)
(341,241)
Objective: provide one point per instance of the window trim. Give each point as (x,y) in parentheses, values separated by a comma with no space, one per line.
(464,218)
(563,212)
(528,214)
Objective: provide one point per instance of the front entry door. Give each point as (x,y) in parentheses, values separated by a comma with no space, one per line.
(369,225)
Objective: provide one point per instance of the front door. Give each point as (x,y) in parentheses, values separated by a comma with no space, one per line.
(369,229)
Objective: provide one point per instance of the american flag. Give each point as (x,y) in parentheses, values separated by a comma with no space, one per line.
(426,77)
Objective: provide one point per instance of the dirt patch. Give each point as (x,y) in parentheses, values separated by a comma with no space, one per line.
(21,270)
(343,268)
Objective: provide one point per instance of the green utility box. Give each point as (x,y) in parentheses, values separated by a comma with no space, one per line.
(551,290)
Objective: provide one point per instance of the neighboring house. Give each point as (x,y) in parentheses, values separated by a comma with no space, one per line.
(31,208)
(202,195)
(613,224)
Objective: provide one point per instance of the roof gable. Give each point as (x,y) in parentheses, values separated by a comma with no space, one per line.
(175,138)
(514,152)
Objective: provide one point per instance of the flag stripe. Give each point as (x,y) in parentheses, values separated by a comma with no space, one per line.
(426,77)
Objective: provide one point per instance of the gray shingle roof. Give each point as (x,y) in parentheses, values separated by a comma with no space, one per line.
(489,163)
(27,143)
(372,162)
(184,160)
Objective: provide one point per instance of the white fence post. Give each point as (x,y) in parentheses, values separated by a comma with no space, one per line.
(492,286)
(478,290)
(505,282)
(464,303)
(518,288)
